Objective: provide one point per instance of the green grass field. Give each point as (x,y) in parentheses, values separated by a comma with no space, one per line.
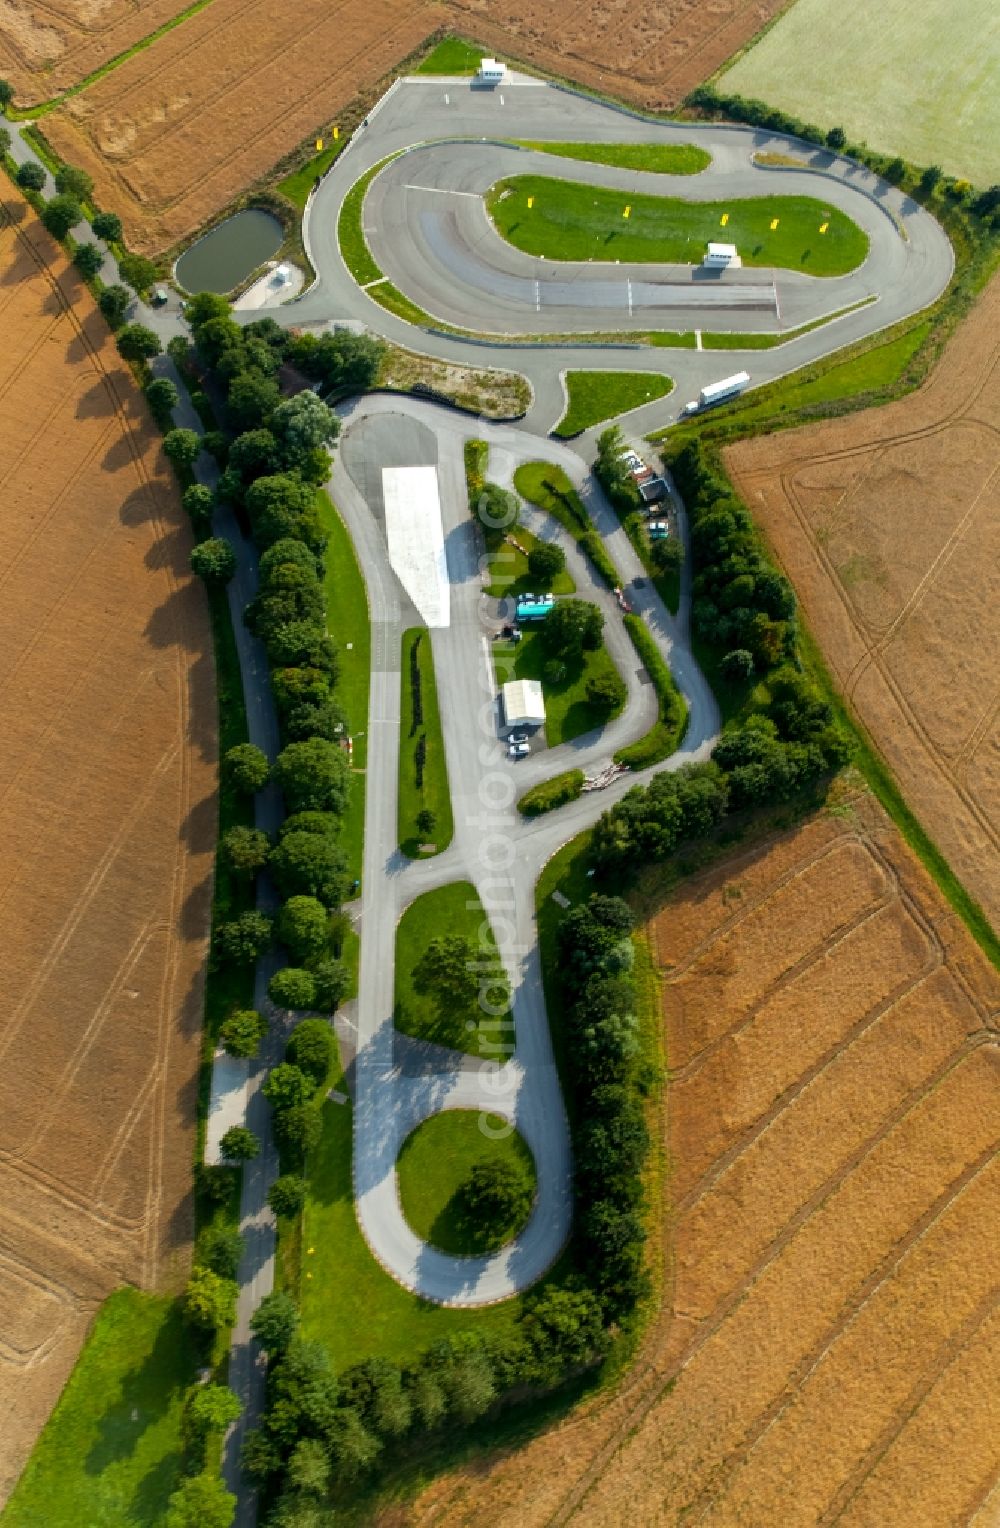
(347,616)
(436,1161)
(433,794)
(568,712)
(111,1453)
(593,396)
(654,158)
(451,909)
(573,222)
(452,56)
(916,80)
(509,575)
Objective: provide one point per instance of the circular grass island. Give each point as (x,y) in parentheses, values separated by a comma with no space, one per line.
(464,1189)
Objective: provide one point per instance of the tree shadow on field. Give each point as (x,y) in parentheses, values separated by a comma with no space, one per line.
(169,625)
(143,1395)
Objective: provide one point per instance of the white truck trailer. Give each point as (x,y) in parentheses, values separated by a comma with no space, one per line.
(718,392)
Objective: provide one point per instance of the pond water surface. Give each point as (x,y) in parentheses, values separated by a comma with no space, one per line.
(227,255)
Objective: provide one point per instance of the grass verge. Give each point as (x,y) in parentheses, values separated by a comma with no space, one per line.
(568,221)
(453,55)
(454,909)
(347,615)
(434,1165)
(568,712)
(550,489)
(811,391)
(297,186)
(657,158)
(423,770)
(593,396)
(112,1451)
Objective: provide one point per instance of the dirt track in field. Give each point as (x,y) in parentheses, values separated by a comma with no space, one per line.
(108,819)
(888,524)
(176,132)
(829,1343)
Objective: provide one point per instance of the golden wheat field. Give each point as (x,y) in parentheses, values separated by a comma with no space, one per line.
(108,820)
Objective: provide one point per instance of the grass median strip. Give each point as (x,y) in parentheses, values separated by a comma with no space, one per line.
(593,396)
(655,158)
(665,736)
(811,392)
(550,489)
(423,772)
(568,221)
(552,793)
(443,994)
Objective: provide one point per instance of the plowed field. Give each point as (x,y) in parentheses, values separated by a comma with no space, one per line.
(107,819)
(177,131)
(888,524)
(828,1349)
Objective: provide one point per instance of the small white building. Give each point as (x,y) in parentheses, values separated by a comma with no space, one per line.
(492,71)
(523,704)
(722,257)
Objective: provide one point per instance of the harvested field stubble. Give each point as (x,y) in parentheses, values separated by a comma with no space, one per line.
(888,524)
(176,132)
(832,1279)
(107,816)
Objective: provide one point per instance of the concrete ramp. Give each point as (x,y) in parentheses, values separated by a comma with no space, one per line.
(415,539)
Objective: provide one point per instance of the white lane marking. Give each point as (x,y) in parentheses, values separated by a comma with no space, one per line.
(538,297)
(501,100)
(628,283)
(777,308)
(377,282)
(697,339)
(444,191)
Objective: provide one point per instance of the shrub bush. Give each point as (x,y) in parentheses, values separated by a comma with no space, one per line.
(552,793)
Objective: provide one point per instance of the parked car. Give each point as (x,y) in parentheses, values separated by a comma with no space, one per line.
(518,750)
(658,530)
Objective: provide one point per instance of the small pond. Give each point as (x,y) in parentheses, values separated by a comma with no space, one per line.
(227,255)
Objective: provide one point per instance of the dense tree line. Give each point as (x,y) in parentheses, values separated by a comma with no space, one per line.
(744,614)
(323,1430)
(610,1137)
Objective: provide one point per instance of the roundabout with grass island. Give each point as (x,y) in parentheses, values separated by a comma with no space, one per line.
(443,1200)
